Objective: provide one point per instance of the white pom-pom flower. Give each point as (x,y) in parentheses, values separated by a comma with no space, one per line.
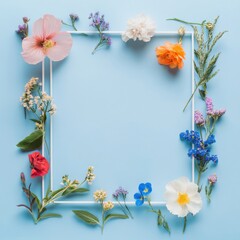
(141,27)
(182,197)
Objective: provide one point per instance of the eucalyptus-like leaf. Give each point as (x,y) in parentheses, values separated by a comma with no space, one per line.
(166,226)
(50,215)
(112,215)
(32,141)
(87,217)
(76,190)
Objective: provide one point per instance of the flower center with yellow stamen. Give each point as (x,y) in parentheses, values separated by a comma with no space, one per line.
(48,44)
(183,198)
(145,190)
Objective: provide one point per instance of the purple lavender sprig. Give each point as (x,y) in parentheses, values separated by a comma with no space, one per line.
(74,18)
(122,193)
(98,22)
(22,30)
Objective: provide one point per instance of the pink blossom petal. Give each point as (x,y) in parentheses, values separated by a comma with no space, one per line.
(62,47)
(38,28)
(32,53)
(51,26)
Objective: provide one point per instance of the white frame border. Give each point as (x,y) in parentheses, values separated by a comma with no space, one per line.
(130,203)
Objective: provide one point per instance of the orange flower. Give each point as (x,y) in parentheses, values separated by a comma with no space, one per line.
(171,55)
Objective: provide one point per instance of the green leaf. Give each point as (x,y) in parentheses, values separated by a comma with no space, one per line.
(25,206)
(77,190)
(166,226)
(54,193)
(202,93)
(35,120)
(31,142)
(111,216)
(36,200)
(87,217)
(50,215)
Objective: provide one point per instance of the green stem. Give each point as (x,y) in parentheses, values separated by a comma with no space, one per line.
(103,212)
(191,96)
(184,224)
(199,178)
(185,22)
(98,45)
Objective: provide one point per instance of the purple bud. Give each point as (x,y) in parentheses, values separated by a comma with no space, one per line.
(26,19)
(109,41)
(22,176)
(74,17)
(212,179)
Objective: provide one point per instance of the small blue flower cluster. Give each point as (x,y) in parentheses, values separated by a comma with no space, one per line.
(144,190)
(201,150)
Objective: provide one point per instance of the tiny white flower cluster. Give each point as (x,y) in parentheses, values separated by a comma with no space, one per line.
(42,102)
(141,28)
(90,175)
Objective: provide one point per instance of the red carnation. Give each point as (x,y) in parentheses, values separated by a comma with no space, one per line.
(39,164)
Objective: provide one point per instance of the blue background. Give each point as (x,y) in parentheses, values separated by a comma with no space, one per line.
(120,118)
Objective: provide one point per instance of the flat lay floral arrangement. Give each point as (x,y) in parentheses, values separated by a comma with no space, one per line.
(182,196)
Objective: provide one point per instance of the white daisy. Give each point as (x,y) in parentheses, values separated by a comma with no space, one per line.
(182,197)
(141,27)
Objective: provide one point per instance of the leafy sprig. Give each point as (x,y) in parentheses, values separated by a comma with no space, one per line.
(205,64)
(40,104)
(38,208)
(106,209)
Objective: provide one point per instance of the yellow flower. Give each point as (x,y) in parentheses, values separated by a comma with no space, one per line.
(99,195)
(108,205)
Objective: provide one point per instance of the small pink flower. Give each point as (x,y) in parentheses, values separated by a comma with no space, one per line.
(198,118)
(46,40)
(212,179)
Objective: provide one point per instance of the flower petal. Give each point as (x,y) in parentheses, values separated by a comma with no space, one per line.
(32,53)
(194,207)
(137,196)
(171,196)
(139,202)
(62,47)
(38,28)
(51,25)
(176,209)
(192,189)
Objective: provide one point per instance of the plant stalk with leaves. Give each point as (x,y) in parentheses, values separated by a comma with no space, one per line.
(106,206)
(122,193)
(144,194)
(206,61)
(38,208)
(40,104)
(204,138)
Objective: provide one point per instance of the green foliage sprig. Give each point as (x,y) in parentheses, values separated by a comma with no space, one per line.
(40,104)
(206,60)
(106,207)
(38,208)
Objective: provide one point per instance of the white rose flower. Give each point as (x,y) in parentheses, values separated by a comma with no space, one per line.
(182,197)
(141,28)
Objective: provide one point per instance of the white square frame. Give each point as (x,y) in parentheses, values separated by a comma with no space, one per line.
(116,33)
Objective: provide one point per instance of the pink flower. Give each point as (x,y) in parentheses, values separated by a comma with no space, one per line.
(46,40)
(198,118)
